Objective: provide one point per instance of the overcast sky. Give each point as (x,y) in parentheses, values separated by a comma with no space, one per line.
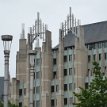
(52,12)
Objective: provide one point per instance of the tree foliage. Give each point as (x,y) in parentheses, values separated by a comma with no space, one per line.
(9,104)
(96,94)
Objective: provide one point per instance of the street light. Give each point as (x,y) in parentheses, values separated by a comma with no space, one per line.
(7,40)
(32,64)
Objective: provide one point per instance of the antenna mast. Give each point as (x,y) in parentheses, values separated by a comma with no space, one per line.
(38,31)
(71,24)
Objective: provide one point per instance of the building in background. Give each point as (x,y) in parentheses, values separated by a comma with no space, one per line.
(1,88)
(61,70)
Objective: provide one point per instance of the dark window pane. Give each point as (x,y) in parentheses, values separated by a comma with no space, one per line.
(65,101)
(65,72)
(65,58)
(20,92)
(54,61)
(52,103)
(65,87)
(52,88)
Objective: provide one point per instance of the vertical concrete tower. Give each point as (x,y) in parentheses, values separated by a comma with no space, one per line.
(13,91)
(60,95)
(21,58)
(21,61)
(29,47)
(80,60)
(46,71)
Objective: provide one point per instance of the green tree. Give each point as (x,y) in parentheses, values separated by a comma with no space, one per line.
(1,104)
(96,94)
(9,104)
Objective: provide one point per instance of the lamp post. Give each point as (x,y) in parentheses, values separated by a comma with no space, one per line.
(7,40)
(32,64)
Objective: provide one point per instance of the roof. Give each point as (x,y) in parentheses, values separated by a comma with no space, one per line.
(1,87)
(96,32)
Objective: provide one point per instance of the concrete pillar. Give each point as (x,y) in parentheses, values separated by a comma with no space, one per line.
(60,95)
(46,71)
(80,60)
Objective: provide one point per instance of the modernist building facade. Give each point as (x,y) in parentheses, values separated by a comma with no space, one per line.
(61,70)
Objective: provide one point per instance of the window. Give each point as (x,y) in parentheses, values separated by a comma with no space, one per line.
(52,88)
(33,103)
(20,104)
(65,101)
(70,71)
(38,103)
(70,57)
(70,100)
(52,102)
(24,91)
(99,56)
(34,75)
(70,86)
(37,75)
(54,74)
(65,58)
(20,92)
(57,88)
(37,61)
(65,72)
(54,61)
(91,72)
(105,56)
(65,87)
(94,57)
(86,85)
(89,58)
(88,72)
(33,90)
(38,89)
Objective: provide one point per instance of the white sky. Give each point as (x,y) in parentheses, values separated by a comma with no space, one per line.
(15,12)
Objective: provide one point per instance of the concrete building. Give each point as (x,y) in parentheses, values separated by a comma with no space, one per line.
(1,88)
(61,70)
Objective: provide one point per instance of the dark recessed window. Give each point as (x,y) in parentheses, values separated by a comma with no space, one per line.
(89,58)
(65,101)
(52,88)
(99,56)
(94,57)
(33,103)
(57,88)
(86,85)
(34,75)
(54,75)
(20,92)
(70,71)
(65,72)
(52,103)
(20,104)
(54,61)
(65,58)
(65,87)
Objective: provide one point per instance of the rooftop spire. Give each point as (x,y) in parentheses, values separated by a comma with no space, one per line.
(23,32)
(70,24)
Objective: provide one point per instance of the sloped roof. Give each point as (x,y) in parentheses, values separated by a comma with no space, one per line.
(95,32)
